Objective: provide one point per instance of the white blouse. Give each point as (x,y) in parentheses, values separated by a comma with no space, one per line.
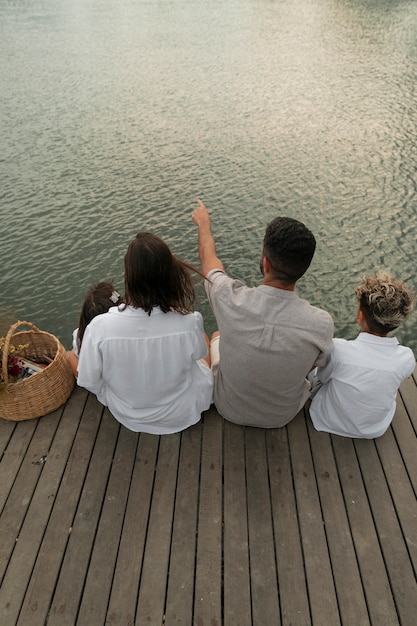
(146,368)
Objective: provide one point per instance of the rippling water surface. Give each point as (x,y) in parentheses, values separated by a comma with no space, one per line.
(118,114)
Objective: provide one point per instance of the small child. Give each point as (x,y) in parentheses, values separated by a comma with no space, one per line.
(357,388)
(98,299)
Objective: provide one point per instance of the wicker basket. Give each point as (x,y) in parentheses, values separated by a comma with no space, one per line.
(43,392)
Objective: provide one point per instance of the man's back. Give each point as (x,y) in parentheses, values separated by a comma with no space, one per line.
(269,340)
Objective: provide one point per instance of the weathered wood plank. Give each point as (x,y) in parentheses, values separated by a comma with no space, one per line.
(404,426)
(402,493)
(20,496)
(7,428)
(319,576)
(121,610)
(152,592)
(16,440)
(66,599)
(375,581)
(400,572)
(46,570)
(263,573)
(208,592)
(181,576)
(408,393)
(339,539)
(237,597)
(33,528)
(100,571)
(291,575)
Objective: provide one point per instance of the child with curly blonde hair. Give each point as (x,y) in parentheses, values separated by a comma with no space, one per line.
(357,388)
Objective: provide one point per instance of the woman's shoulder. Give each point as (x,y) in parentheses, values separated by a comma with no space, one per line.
(188,317)
(104,319)
(191,321)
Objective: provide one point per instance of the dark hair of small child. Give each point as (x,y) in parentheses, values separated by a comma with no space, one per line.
(98,299)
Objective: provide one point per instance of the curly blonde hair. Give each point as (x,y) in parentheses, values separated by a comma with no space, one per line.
(385,302)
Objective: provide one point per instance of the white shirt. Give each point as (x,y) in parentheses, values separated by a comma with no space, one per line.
(360,384)
(146,369)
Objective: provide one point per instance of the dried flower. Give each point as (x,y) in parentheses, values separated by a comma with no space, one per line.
(14,366)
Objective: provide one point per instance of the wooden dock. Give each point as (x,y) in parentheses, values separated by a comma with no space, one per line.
(218,525)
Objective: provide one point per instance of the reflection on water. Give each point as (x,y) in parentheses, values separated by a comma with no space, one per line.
(117,115)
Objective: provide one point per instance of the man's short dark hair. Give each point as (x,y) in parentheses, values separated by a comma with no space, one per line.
(289,246)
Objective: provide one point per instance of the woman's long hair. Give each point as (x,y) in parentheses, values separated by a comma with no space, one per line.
(155,277)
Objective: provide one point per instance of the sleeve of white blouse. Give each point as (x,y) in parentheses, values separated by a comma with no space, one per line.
(90,365)
(200,348)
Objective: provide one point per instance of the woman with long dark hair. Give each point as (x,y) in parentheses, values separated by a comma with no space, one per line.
(146,360)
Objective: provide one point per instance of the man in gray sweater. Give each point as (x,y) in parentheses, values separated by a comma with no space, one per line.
(269,338)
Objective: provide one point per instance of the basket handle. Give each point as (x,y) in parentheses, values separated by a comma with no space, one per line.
(4,363)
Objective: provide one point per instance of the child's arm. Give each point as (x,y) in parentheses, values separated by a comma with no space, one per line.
(73,361)
(324,374)
(326,371)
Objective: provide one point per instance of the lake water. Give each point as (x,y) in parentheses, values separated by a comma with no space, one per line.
(116,115)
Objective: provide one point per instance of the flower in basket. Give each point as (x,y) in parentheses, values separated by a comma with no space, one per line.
(14,365)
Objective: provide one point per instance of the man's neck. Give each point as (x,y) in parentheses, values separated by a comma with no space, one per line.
(273,282)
